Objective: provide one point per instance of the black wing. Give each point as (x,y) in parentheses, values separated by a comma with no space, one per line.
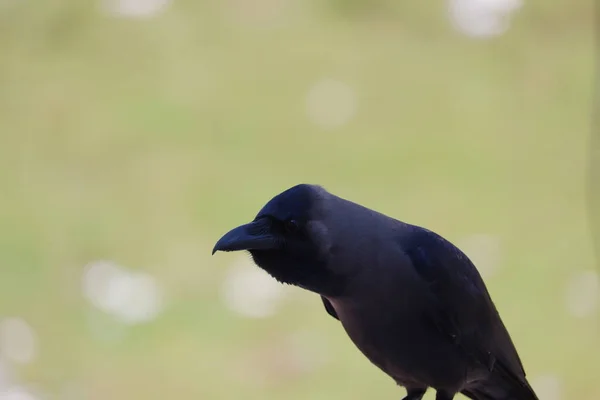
(329,308)
(463,311)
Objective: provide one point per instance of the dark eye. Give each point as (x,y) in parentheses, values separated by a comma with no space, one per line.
(291,225)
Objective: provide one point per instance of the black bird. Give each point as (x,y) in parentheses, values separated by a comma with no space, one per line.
(413,303)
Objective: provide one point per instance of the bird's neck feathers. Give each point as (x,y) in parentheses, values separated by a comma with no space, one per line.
(307,273)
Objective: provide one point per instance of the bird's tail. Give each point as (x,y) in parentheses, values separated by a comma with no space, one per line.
(502,384)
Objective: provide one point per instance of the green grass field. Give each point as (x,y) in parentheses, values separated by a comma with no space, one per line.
(142,141)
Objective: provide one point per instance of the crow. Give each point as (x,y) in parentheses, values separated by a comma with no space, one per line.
(410,301)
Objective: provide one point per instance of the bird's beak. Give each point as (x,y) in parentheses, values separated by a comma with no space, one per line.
(253,236)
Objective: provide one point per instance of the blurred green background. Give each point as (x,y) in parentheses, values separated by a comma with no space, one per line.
(139,140)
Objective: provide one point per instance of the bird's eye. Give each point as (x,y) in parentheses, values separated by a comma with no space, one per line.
(291,225)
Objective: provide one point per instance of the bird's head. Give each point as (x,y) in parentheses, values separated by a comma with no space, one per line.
(288,238)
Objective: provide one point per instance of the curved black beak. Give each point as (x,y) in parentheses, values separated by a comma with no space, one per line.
(253,236)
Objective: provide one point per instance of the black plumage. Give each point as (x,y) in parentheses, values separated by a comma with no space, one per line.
(412,302)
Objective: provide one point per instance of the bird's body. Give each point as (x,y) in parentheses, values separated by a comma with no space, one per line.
(410,301)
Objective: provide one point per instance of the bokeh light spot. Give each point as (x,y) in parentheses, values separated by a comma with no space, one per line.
(135,8)
(482,18)
(18,341)
(133,297)
(281,359)
(16,393)
(6,375)
(251,292)
(141,298)
(258,13)
(547,387)
(97,280)
(484,251)
(307,350)
(331,103)
(582,294)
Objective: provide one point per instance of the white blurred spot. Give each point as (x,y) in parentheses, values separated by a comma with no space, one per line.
(547,387)
(17,340)
(72,391)
(583,294)
(97,279)
(281,359)
(137,297)
(133,297)
(482,18)
(250,291)
(307,351)
(6,375)
(135,8)
(484,251)
(331,103)
(103,328)
(258,13)
(16,393)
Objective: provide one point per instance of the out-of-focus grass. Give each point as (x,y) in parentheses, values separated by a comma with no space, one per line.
(143,141)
